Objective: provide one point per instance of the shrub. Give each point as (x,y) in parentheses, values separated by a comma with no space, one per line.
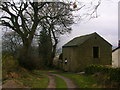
(91,69)
(9,67)
(9,64)
(113,73)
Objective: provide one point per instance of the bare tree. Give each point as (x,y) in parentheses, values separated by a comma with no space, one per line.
(23,18)
(56,26)
(11,42)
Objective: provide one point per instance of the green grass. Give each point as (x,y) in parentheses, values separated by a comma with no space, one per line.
(46,71)
(34,81)
(60,83)
(83,81)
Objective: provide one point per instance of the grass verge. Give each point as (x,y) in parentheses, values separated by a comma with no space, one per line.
(34,81)
(83,81)
(60,83)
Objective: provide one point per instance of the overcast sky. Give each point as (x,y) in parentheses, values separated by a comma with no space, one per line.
(106,25)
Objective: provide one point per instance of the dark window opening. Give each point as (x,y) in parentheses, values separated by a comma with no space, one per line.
(95,52)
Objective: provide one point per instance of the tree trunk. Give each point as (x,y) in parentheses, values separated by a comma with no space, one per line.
(54,50)
(25,54)
(49,61)
(53,47)
(25,58)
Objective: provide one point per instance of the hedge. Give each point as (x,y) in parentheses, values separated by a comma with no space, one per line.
(113,73)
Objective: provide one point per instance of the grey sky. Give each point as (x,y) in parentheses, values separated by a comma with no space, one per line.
(105,25)
(119,21)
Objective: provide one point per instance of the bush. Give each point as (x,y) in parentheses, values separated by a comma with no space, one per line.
(91,69)
(9,64)
(113,73)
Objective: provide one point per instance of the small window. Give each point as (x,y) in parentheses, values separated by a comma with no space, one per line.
(95,52)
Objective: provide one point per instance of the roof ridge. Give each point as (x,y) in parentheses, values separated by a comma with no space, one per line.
(78,40)
(88,34)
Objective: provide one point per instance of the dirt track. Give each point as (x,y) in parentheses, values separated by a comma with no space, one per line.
(52,84)
(69,83)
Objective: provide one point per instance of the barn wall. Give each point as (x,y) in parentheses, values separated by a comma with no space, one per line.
(69,53)
(119,58)
(116,58)
(81,56)
(85,52)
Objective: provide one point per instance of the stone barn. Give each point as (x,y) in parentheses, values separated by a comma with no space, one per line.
(86,50)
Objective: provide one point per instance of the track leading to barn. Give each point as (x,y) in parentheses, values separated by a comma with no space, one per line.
(52,83)
(69,82)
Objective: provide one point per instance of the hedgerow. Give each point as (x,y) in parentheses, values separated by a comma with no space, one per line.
(113,73)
